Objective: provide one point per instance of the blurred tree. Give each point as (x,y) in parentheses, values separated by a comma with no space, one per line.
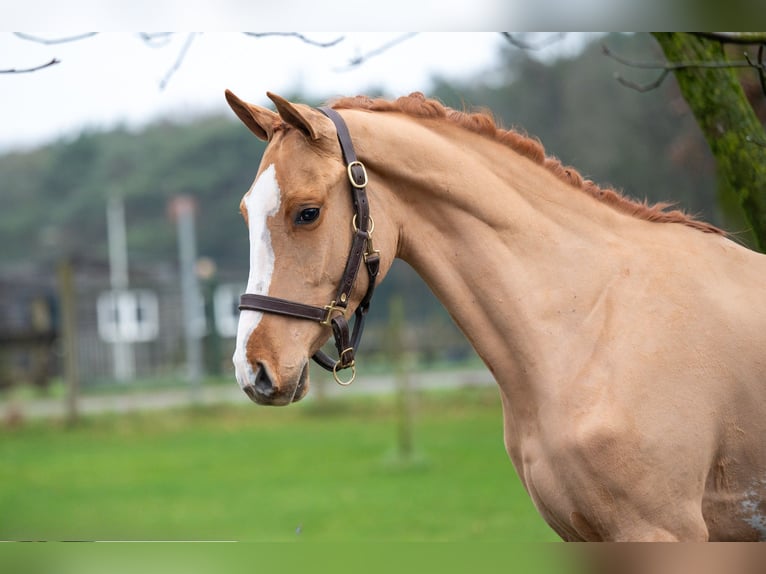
(733,131)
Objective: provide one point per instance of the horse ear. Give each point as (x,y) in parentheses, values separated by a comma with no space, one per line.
(259,120)
(310,122)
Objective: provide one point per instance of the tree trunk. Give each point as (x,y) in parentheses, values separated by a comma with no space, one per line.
(733,132)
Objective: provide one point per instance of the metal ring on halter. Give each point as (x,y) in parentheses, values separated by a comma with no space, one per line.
(337,378)
(356,227)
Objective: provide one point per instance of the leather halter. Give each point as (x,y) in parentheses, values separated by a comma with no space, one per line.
(333,314)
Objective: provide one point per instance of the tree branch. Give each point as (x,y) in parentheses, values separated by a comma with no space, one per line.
(156,39)
(642,88)
(760,66)
(667,67)
(301,37)
(744,38)
(179,60)
(361,59)
(524,45)
(53,62)
(51,41)
(47,42)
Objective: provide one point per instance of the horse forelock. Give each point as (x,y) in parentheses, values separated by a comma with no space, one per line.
(482,122)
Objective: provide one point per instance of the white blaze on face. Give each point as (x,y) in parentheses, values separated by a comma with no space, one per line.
(261,202)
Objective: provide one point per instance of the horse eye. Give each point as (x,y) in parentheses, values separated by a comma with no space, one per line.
(308,215)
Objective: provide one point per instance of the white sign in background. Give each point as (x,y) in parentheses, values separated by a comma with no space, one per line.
(132,316)
(226,309)
(129,316)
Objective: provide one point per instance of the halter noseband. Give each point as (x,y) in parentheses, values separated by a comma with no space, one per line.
(333,315)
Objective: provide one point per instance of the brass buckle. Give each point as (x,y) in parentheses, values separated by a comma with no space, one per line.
(330,309)
(351,176)
(341,359)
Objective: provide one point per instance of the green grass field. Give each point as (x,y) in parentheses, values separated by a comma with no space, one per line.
(314,471)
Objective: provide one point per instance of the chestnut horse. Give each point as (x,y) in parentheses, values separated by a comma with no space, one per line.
(628,341)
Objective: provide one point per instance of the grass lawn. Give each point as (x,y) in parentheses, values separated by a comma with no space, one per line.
(323,471)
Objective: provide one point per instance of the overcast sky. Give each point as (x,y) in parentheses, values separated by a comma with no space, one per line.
(115,77)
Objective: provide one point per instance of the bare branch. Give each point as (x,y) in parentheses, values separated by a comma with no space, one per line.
(672,66)
(51,41)
(179,60)
(760,66)
(53,62)
(524,45)
(301,37)
(642,87)
(744,38)
(361,59)
(667,67)
(156,39)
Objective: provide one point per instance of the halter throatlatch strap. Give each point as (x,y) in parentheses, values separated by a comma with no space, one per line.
(333,315)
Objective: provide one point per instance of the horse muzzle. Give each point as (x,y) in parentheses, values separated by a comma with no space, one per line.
(264,389)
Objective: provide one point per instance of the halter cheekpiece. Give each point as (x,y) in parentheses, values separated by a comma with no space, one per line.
(333,314)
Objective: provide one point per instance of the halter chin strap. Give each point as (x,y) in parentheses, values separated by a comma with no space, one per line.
(333,315)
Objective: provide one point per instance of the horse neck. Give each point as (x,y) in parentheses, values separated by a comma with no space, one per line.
(500,240)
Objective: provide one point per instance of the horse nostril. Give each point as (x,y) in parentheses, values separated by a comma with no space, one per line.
(262,389)
(264,386)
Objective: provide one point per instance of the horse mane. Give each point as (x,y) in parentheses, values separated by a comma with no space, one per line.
(482,122)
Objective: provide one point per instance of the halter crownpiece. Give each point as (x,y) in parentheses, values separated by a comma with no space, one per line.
(333,314)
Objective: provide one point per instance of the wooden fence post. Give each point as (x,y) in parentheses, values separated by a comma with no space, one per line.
(404,396)
(68,299)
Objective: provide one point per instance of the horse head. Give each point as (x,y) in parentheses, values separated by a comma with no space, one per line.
(302,227)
